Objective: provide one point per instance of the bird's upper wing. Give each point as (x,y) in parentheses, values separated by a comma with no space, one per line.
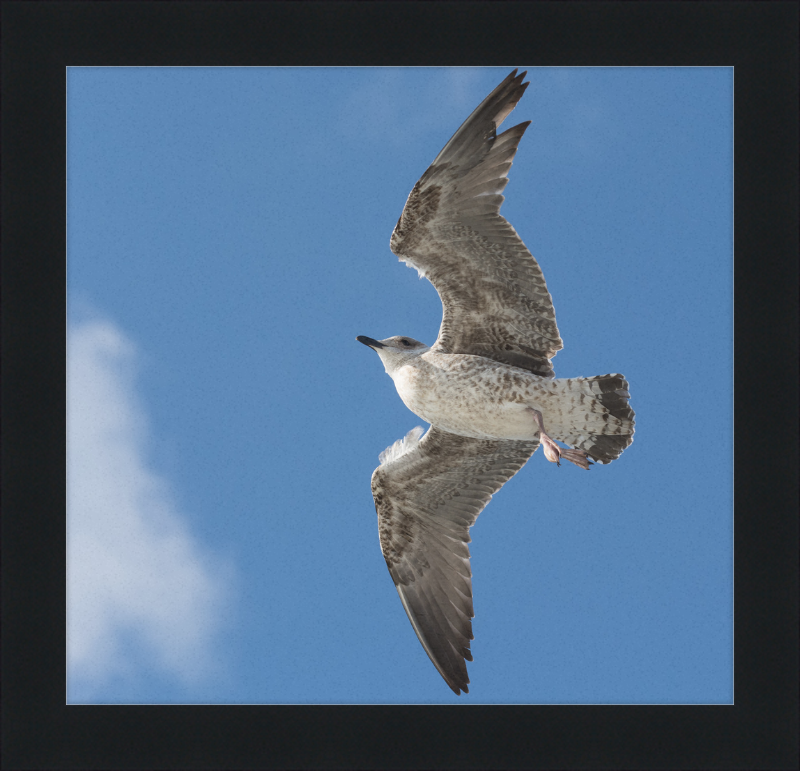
(495,299)
(428,494)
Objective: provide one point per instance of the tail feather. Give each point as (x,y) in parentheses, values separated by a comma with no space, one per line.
(599,419)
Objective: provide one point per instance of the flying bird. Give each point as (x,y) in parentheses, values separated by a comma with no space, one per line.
(486,386)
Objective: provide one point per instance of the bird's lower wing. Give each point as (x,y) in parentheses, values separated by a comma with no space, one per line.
(428,493)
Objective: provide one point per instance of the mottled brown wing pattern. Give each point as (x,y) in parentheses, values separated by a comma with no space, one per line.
(495,299)
(426,500)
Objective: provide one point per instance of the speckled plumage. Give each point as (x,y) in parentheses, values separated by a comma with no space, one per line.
(486,386)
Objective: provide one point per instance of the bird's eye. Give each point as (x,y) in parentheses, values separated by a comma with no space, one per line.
(405,342)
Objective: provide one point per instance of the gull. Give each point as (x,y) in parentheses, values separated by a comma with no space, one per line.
(486,386)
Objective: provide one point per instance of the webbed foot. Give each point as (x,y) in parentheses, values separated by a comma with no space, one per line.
(578,457)
(553,452)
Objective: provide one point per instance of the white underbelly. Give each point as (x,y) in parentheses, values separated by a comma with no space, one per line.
(469,406)
(512,422)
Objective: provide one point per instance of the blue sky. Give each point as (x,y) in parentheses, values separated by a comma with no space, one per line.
(228,237)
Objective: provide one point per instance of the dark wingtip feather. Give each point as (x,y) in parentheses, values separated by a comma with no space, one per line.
(482,123)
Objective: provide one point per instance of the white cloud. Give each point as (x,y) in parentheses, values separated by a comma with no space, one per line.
(137,578)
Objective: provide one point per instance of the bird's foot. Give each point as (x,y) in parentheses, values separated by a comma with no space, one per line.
(551,450)
(554,453)
(578,457)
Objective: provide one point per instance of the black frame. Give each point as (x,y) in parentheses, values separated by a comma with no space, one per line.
(39,40)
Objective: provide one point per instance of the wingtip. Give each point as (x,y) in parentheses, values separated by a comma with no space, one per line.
(519,78)
(457,689)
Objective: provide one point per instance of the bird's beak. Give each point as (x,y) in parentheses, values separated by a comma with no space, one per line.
(374,344)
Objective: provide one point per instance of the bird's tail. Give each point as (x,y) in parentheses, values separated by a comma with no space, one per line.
(594,416)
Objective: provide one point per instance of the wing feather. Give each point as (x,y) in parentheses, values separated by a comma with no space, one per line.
(495,299)
(428,493)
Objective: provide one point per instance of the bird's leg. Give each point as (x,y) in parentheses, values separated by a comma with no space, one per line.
(553,452)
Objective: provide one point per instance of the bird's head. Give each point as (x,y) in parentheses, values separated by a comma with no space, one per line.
(395,351)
